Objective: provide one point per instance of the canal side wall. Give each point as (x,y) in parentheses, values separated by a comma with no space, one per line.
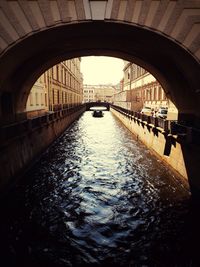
(165,146)
(21,146)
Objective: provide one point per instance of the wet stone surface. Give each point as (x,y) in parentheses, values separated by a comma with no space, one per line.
(98,197)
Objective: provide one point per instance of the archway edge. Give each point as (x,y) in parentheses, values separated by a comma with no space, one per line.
(168,61)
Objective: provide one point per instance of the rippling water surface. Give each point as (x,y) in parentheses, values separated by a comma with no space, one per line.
(97,197)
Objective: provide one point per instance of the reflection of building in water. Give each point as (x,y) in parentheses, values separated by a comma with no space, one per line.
(141,89)
(93,93)
(59,87)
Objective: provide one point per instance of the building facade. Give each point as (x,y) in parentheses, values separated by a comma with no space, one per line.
(58,88)
(37,102)
(88,93)
(98,93)
(141,89)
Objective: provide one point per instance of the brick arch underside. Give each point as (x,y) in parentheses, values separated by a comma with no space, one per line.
(174,67)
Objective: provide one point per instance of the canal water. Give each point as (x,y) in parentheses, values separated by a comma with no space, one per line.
(98,197)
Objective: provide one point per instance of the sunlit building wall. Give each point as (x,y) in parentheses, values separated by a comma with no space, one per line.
(142,89)
(121,99)
(88,94)
(37,100)
(103,93)
(60,87)
(65,85)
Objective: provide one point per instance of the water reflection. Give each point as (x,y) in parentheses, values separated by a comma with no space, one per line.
(98,197)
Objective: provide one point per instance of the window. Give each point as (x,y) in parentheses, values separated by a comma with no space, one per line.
(62,80)
(52,73)
(42,103)
(53,98)
(159,93)
(57,73)
(45,74)
(45,99)
(31,99)
(58,96)
(155,93)
(36,99)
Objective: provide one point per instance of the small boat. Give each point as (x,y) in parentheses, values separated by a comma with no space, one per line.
(97,113)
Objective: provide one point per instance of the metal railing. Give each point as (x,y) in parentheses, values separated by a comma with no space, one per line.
(187,133)
(13,130)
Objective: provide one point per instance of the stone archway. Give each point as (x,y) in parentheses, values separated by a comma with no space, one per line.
(161,36)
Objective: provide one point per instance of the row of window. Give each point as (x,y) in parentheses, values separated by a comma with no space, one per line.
(133,72)
(38,99)
(149,93)
(62,84)
(88,91)
(64,98)
(73,65)
(154,93)
(136,71)
(66,79)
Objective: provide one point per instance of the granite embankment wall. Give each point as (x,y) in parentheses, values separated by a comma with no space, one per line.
(166,146)
(21,144)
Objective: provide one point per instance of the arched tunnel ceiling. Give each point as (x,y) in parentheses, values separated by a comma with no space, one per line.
(168,62)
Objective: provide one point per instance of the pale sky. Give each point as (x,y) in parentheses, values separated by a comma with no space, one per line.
(101,70)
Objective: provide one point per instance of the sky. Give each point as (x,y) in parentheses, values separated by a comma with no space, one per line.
(101,70)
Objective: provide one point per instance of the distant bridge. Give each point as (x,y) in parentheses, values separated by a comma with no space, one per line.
(97,104)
